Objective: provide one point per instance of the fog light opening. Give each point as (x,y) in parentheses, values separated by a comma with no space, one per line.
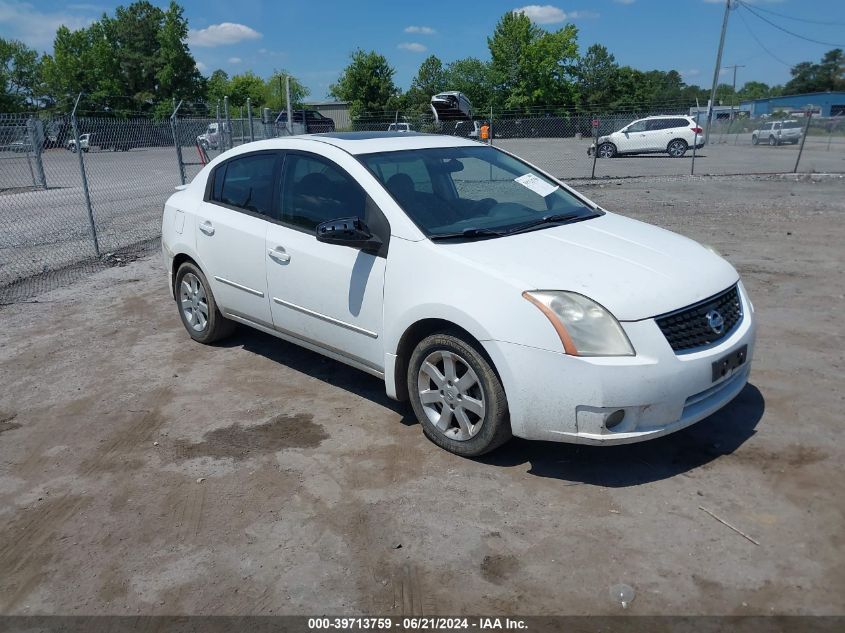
(614,419)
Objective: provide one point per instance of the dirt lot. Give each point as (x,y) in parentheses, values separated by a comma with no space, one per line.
(142,473)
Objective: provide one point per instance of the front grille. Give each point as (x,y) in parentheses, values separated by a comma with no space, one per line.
(690,327)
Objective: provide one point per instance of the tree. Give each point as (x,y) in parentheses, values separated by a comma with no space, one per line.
(246,85)
(274,91)
(430,79)
(530,66)
(753,90)
(20,74)
(826,76)
(217,87)
(597,77)
(177,73)
(472,77)
(366,84)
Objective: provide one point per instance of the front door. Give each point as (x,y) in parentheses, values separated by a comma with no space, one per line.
(326,295)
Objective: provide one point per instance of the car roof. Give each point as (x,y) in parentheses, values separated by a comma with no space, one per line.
(371,142)
(668,116)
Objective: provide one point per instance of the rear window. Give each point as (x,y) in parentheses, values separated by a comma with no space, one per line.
(791,125)
(247,183)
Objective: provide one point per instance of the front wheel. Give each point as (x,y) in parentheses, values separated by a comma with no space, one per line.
(457,396)
(754,140)
(606,150)
(677,148)
(197,307)
(773,141)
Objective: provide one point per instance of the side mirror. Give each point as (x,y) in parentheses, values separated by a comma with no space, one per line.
(352,232)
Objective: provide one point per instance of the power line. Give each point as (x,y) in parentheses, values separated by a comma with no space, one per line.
(797,19)
(760,44)
(787,31)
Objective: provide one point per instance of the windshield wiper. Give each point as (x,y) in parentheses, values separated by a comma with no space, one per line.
(551,219)
(467,234)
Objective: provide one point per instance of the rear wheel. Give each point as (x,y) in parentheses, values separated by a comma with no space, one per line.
(606,150)
(677,148)
(457,396)
(197,307)
(773,141)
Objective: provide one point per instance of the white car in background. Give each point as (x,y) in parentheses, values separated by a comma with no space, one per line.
(494,297)
(673,135)
(778,132)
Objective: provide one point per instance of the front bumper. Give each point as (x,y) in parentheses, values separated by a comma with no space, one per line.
(553,396)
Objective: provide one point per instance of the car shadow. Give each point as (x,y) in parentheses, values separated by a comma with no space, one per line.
(317,366)
(612,466)
(633,464)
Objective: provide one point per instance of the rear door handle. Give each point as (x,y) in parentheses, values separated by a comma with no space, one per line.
(279,255)
(207,228)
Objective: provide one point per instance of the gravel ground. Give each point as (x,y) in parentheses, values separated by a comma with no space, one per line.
(143,473)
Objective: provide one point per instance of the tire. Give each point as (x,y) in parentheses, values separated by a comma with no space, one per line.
(606,150)
(192,292)
(466,430)
(773,141)
(754,140)
(677,148)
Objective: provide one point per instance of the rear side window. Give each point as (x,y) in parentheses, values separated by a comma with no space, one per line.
(247,183)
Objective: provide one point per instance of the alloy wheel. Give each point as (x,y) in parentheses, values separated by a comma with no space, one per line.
(451,395)
(194,303)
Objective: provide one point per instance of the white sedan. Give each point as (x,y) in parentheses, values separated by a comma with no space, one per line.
(494,297)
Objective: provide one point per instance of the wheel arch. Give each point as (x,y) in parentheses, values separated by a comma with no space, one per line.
(178,260)
(411,337)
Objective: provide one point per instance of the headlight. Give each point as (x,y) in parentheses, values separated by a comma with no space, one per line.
(585,328)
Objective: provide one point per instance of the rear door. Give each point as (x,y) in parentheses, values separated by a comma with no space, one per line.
(232,225)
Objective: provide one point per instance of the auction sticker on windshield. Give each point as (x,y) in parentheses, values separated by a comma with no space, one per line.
(537,185)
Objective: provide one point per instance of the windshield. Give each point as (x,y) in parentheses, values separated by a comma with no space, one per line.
(463,189)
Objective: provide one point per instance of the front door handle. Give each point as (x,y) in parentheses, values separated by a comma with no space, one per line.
(206,227)
(279,255)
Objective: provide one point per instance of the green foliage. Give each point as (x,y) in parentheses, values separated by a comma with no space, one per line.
(430,79)
(827,75)
(20,74)
(367,84)
(753,90)
(531,66)
(472,77)
(598,76)
(274,91)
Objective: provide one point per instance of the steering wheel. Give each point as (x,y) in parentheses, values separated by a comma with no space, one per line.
(481,207)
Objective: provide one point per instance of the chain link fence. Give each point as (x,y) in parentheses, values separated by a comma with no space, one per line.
(80,191)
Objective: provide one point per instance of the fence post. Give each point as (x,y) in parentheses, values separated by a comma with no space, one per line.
(174,126)
(228,133)
(219,147)
(249,116)
(36,140)
(91,224)
(595,123)
(492,131)
(803,138)
(694,145)
(265,118)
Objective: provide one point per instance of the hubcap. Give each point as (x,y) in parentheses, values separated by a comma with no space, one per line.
(676,149)
(605,151)
(194,303)
(451,395)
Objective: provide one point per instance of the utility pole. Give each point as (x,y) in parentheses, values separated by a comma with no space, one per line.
(734,66)
(716,72)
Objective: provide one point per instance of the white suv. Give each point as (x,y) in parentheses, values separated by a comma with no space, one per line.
(778,132)
(673,135)
(495,298)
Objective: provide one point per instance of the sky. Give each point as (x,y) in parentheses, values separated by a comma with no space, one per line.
(313,39)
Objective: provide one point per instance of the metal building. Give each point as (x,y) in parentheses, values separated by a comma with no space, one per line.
(824,104)
(338,111)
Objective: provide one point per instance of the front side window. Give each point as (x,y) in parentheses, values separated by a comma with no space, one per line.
(317,191)
(636,126)
(473,188)
(246,182)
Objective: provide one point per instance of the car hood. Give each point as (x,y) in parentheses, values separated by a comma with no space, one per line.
(633,269)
